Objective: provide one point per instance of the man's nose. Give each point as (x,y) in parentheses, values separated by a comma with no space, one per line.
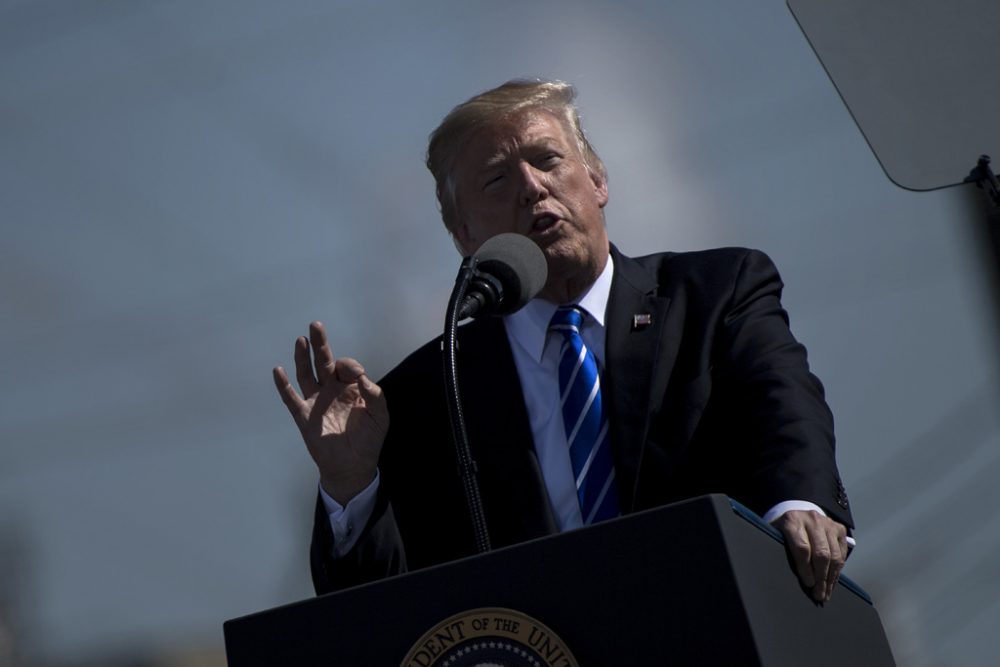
(533,186)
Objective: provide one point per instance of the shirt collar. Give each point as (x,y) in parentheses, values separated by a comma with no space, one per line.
(529,326)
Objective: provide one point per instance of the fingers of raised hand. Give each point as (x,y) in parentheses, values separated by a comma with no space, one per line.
(336,394)
(303,368)
(314,362)
(288,395)
(347,370)
(322,354)
(352,375)
(374,401)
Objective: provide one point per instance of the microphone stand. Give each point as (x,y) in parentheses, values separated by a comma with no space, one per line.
(466,466)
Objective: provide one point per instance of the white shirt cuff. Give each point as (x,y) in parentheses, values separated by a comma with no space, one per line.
(348,521)
(778,510)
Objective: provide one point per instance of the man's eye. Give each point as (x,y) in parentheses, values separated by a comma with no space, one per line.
(548,160)
(496,178)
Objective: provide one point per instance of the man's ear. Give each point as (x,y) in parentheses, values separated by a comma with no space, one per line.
(601,188)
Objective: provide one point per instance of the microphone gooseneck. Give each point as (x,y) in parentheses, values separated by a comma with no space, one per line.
(505,274)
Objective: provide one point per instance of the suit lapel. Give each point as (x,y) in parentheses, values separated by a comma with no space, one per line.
(638,365)
(513,489)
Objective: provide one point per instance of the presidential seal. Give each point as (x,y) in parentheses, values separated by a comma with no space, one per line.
(489,637)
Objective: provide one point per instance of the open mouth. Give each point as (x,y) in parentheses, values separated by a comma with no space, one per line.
(543,223)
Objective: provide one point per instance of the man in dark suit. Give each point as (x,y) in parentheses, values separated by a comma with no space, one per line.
(705,390)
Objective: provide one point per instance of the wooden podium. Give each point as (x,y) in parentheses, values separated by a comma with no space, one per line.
(699,582)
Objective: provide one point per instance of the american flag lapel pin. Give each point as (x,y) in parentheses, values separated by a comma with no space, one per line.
(641,320)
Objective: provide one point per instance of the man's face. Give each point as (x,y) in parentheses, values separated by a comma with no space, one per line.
(526,175)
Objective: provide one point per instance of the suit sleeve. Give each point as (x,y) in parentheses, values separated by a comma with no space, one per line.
(787,437)
(377,554)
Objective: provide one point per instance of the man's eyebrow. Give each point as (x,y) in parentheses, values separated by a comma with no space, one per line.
(493,161)
(545,141)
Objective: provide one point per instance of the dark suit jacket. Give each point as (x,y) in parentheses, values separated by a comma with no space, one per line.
(714,396)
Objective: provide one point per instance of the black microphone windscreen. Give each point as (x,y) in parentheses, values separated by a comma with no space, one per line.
(518,263)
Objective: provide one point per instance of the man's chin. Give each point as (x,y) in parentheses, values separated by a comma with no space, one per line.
(564,257)
(569,275)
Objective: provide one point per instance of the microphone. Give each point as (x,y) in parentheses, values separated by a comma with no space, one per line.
(507,272)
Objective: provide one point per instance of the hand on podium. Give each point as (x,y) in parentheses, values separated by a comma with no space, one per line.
(818,549)
(341,414)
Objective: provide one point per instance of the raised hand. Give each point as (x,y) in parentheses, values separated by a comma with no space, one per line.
(341,414)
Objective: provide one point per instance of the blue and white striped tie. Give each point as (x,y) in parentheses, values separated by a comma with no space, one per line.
(585,419)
